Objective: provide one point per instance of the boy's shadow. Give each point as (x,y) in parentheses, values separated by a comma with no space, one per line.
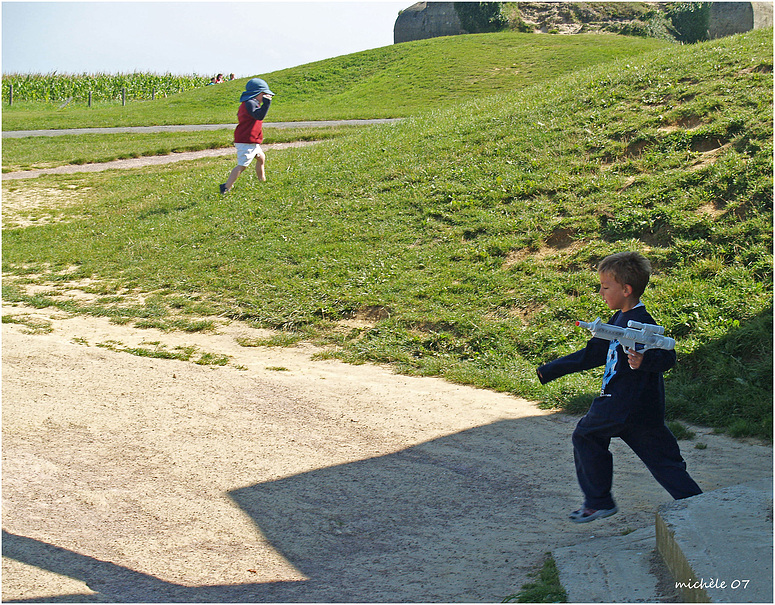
(445,515)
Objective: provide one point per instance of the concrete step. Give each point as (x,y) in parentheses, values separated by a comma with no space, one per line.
(719,544)
(617,569)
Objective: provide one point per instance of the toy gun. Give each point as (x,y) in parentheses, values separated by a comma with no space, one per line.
(648,336)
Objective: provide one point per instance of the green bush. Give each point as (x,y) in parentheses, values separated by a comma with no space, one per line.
(480,17)
(690,20)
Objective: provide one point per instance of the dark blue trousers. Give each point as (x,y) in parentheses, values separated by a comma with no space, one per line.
(655,446)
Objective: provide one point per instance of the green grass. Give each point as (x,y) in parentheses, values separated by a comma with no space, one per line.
(158,350)
(545,589)
(33,325)
(471,233)
(393,81)
(680,431)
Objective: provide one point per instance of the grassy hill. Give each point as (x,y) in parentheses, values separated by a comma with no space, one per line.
(468,235)
(393,81)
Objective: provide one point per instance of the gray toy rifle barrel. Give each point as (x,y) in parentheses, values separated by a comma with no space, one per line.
(649,336)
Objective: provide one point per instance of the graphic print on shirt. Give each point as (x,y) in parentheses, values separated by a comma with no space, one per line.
(610,365)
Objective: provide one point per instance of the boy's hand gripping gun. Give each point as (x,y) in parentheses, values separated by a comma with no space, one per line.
(648,336)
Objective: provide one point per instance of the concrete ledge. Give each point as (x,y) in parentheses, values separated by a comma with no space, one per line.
(618,569)
(719,545)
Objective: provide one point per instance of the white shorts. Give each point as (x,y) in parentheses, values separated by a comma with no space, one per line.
(246,152)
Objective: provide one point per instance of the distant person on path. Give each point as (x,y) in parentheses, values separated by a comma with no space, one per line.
(249,134)
(631,404)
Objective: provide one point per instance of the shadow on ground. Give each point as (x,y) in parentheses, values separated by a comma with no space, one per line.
(448,517)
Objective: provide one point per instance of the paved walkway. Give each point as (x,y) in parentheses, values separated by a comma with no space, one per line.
(18,134)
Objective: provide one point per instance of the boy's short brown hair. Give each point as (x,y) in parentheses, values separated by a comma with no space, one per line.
(628,268)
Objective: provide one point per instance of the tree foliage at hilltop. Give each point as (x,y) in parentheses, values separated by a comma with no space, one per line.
(690,20)
(481,17)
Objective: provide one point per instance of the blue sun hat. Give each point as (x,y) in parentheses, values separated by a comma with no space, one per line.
(254,88)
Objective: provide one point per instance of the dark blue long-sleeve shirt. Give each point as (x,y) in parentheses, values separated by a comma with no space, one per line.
(628,396)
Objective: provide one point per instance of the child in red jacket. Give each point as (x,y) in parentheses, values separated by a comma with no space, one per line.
(631,404)
(249,133)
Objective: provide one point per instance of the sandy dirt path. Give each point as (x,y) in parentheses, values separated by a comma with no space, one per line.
(155,160)
(279,478)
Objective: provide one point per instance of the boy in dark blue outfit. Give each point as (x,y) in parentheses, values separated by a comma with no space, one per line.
(631,404)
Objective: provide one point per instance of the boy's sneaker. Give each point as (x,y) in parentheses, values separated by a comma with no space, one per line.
(585,515)
(222,188)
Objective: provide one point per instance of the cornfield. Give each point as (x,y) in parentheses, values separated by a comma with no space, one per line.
(56,87)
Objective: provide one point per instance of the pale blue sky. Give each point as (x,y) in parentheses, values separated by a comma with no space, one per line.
(246,38)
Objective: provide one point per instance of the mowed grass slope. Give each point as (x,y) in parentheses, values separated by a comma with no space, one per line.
(393,81)
(469,235)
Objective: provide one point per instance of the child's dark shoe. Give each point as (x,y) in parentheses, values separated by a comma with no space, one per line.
(222,188)
(585,515)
